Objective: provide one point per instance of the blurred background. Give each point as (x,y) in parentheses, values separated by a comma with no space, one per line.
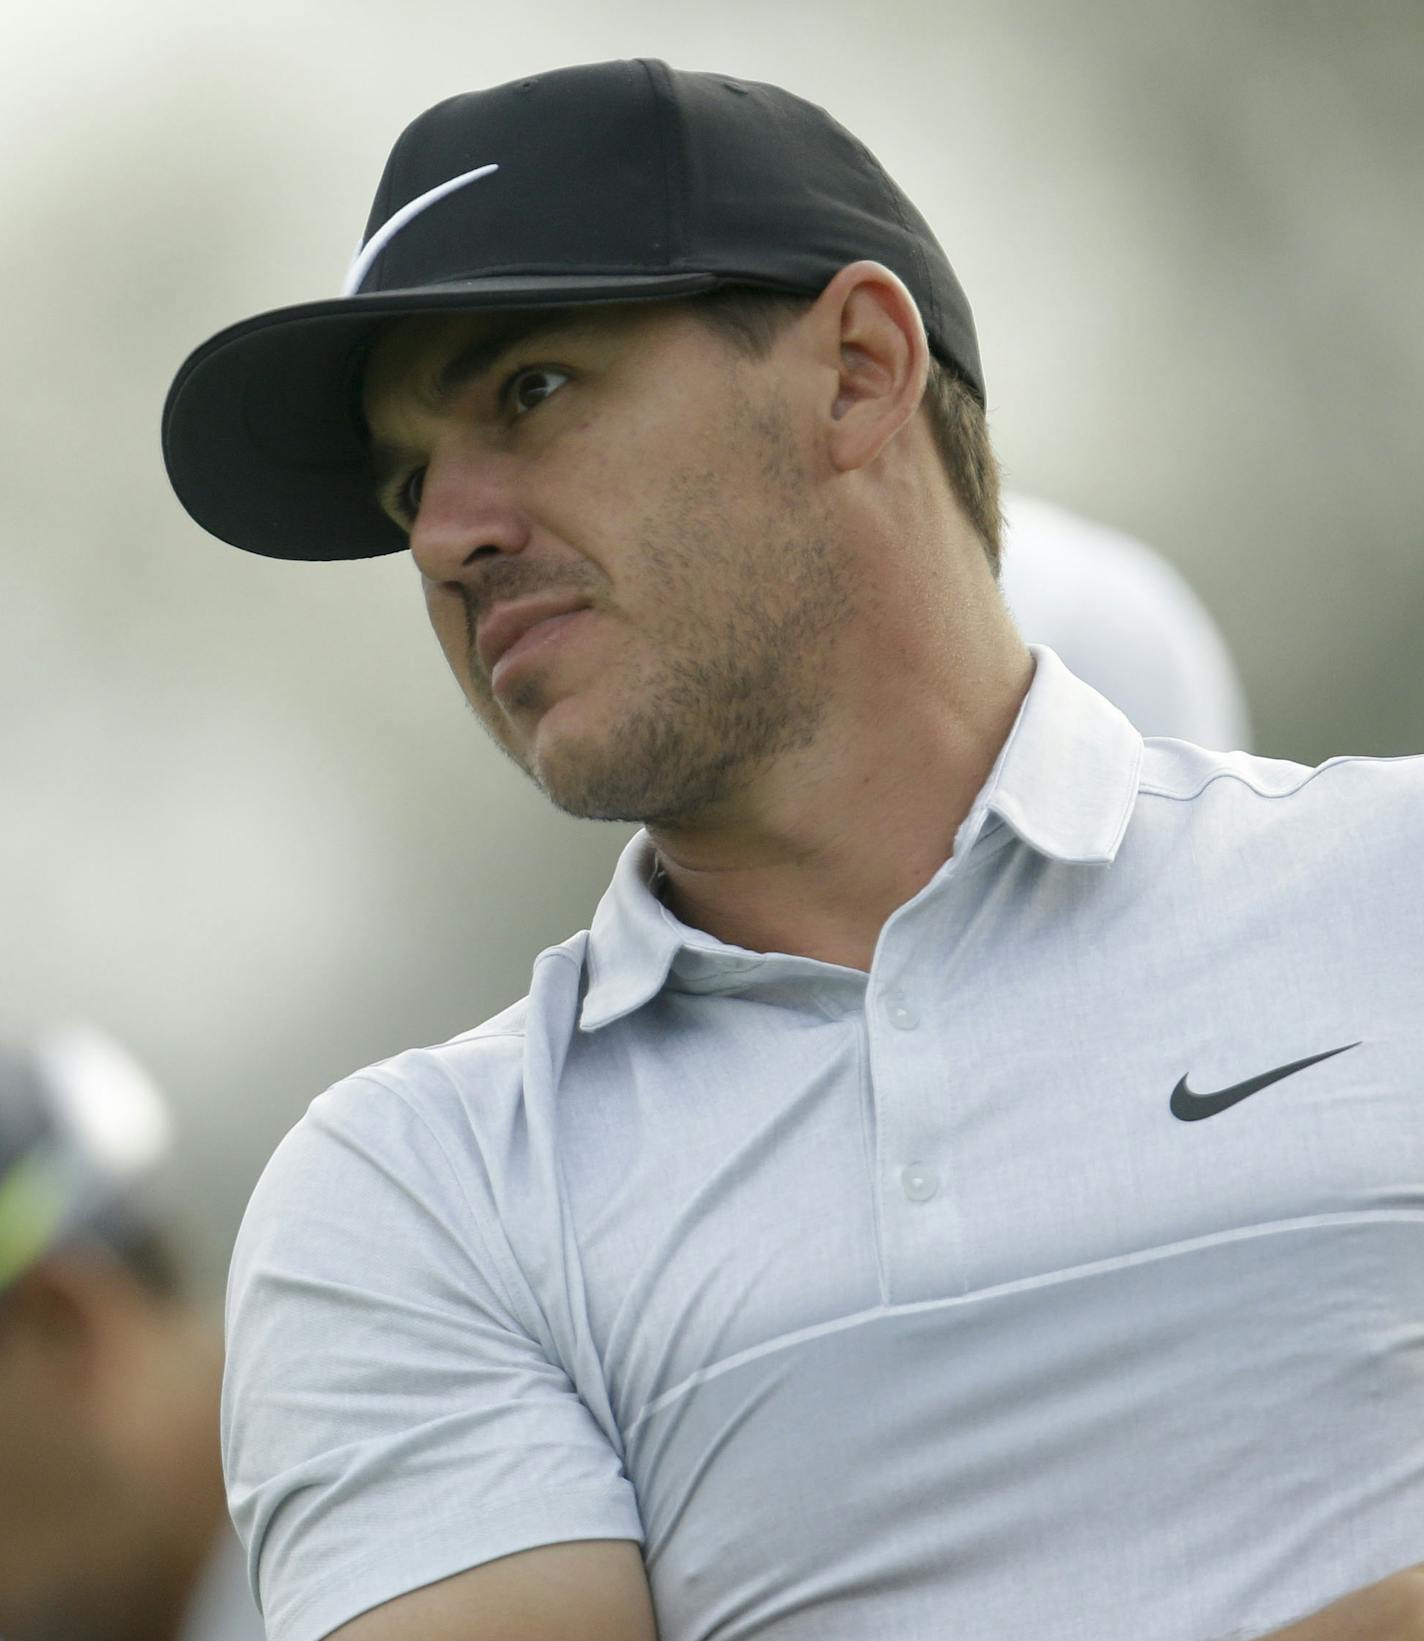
(248,825)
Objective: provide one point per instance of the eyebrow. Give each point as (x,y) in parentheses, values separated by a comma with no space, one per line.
(477,357)
(469,363)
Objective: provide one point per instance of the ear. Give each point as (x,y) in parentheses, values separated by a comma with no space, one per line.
(870,318)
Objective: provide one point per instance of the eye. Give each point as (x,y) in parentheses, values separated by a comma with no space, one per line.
(531,386)
(407,496)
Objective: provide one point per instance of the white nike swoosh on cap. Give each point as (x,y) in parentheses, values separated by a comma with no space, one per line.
(366,254)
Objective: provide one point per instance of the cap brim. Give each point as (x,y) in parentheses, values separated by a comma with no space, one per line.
(262,432)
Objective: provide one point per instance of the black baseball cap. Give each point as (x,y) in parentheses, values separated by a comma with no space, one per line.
(607,182)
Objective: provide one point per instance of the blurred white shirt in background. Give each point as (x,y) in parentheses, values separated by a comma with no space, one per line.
(1125,621)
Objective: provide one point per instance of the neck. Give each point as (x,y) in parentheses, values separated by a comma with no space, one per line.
(815,855)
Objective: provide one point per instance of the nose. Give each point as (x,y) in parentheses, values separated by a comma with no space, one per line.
(467,513)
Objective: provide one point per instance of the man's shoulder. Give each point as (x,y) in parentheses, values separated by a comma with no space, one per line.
(1183,771)
(483,1055)
(444,1093)
(418,1127)
(1354,821)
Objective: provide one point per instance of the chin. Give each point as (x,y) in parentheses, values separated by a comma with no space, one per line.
(644,775)
(591,777)
(646,762)
(590,790)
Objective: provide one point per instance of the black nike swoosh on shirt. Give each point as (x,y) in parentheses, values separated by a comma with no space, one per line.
(1192,1107)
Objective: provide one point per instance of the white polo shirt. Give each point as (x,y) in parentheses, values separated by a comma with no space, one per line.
(895,1307)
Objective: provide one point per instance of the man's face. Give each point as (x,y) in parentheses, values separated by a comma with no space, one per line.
(623,474)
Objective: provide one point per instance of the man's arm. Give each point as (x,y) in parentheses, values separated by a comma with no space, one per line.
(590,1590)
(1392,1610)
(597,1590)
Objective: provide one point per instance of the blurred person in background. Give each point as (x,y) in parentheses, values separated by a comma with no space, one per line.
(967,1180)
(113,1521)
(1123,619)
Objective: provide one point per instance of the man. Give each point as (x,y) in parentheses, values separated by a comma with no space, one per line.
(967,1182)
(113,1525)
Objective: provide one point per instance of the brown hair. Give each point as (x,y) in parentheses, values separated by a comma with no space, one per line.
(751,320)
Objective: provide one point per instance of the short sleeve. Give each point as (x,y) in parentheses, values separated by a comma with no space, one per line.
(386,1419)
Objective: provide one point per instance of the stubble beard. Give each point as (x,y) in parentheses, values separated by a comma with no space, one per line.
(737,664)
(703,724)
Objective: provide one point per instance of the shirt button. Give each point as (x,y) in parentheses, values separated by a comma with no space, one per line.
(919,1181)
(901,1010)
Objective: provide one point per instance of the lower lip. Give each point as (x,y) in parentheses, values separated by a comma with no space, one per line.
(532,645)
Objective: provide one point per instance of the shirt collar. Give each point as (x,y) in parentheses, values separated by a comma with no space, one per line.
(1065,780)
(633,940)
(1066,777)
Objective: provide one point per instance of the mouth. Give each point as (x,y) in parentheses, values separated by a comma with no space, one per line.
(506,627)
(533,647)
